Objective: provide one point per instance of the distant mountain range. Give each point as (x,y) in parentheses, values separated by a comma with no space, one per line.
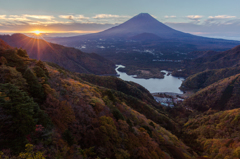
(145,23)
(69,58)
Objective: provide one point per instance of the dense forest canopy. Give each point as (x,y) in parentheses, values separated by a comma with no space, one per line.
(47,111)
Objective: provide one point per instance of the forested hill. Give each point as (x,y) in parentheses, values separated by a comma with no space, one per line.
(208,77)
(221,95)
(210,117)
(69,58)
(217,132)
(229,58)
(4,45)
(49,112)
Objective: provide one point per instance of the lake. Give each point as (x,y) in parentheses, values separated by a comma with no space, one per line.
(168,84)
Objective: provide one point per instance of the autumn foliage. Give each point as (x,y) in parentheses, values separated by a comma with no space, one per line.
(49,112)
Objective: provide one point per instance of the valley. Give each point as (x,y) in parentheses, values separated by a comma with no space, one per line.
(137,90)
(143,42)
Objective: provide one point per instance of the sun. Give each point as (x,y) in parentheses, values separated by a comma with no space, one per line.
(37,32)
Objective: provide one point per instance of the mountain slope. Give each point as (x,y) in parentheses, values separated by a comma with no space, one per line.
(208,77)
(142,23)
(221,95)
(146,37)
(4,45)
(69,58)
(64,116)
(198,54)
(217,133)
(145,23)
(229,58)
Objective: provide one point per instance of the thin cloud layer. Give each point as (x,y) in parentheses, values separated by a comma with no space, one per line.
(194,17)
(74,17)
(171,16)
(223,25)
(104,16)
(223,29)
(222,17)
(2,16)
(44,17)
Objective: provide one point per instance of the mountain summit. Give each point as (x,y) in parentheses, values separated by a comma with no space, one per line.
(147,24)
(141,23)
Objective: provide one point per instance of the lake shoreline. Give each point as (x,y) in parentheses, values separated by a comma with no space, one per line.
(184,95)
(153,85)
(167,93)
(144,73)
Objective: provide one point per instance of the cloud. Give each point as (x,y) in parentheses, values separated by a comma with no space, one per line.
(154,16)
(61,23)
(70,17)
(56,28)
(32,19)
(223,25)
(104,16)
(74,17)
(194,17)
(17,19)
(25,19)
(109,18)
(28,17)
(222,17)
(44,17)
(2,16)
(221,20)
(172,16)
(227,30)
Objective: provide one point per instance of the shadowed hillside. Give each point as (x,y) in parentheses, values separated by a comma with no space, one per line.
(229,58)
(221,95)
(69,58)
(66,116)
(4,45)
(206,78)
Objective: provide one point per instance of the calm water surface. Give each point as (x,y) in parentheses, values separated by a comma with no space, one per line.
(168,84)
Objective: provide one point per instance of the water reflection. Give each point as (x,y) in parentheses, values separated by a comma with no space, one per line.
(168,84)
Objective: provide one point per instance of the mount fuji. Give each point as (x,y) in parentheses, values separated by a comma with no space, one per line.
(145,24)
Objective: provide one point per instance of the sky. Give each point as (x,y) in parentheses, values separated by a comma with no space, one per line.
(210,18)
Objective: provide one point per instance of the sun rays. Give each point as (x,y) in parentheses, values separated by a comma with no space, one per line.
(35,42)
(37,32)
